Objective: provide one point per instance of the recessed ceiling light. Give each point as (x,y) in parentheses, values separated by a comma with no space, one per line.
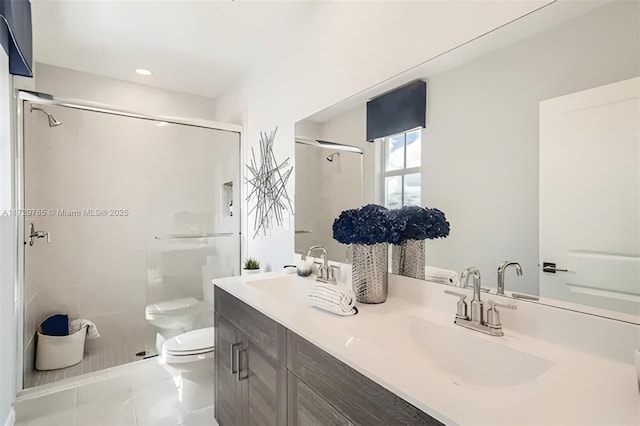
(142,71)
(161,123)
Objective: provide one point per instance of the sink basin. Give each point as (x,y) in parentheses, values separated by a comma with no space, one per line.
(475,360)
(281,287)
(272,281)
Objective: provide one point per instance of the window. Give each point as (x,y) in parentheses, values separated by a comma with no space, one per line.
(401,177)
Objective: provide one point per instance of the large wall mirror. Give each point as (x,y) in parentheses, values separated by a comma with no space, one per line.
(532,150)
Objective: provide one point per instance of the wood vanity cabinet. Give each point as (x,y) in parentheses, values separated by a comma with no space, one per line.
(251,376)
(268,375)
(306,407)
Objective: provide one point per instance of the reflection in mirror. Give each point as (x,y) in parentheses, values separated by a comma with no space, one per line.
(329,180)
(532,149)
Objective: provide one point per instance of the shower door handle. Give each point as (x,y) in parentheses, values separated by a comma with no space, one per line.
(33,234)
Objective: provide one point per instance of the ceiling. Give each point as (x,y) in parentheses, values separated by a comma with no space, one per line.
(203,47)
(198,47)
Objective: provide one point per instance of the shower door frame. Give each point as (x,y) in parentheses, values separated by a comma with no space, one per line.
(23,96)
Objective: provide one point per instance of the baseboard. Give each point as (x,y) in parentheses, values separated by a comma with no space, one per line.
(11,418)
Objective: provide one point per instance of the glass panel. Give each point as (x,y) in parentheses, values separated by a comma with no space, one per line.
(414,148)
(394,154)
(412,189)
(108,186)
(179,271)
(393,192)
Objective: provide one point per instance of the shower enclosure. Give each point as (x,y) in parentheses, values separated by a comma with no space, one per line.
(121,212)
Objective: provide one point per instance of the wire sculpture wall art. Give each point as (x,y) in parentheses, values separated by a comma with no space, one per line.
(268,198)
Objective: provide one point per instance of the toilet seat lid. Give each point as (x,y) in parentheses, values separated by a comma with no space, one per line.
(171,306)
(196,341)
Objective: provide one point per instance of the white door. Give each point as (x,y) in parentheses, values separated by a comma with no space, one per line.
(590,197)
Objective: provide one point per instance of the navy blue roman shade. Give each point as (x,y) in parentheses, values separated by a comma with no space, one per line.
(15,35)
(397,111)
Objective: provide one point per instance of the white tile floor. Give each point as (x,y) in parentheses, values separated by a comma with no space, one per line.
(143,393)
(96,358)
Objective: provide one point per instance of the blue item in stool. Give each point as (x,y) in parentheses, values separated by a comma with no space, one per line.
(56,325)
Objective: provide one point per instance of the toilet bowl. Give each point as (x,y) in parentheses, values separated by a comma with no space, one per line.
(174,317)
(189,356)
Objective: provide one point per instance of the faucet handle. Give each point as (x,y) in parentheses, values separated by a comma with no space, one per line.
(461,310)
(332,273)
(462,296)
(502,305)
(493,315)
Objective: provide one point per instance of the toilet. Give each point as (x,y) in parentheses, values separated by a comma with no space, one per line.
(189,356)
(172,318)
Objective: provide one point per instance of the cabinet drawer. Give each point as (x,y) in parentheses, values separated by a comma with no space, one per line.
(357,397)
(307,408)
(260,329)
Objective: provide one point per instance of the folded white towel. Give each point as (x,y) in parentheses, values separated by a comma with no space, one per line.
(442,276)
(76,325)
(334,298)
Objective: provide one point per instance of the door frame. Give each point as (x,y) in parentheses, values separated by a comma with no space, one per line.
(21,98)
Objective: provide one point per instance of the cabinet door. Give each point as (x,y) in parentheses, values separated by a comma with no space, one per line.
(307,408)
(262,330)
(228,388)
(356,396)
(264,387)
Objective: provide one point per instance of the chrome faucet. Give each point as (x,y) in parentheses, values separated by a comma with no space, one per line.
(476,304)
(325,272)
(501,271)
(464,280)
(475,321)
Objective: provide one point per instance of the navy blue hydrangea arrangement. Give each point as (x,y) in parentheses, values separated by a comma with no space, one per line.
(417,223)
(373,224)
(368,225)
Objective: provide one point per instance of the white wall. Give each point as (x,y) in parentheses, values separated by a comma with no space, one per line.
(69,84)
(345,50)
(7,248)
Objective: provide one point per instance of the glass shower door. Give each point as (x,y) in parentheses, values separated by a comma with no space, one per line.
(115,192)
(180,270)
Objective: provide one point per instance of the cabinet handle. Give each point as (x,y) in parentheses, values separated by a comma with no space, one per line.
(240,376)
(234,356)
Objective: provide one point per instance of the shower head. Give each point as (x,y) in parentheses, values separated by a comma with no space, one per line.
(52,120)
(331,157)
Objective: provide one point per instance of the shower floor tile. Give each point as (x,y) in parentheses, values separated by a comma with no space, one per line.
(143,393)
(96,359)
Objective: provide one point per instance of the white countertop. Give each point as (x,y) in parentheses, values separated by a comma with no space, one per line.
(384,343)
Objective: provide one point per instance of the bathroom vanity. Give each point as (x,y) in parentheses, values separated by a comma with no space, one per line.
(267,374)
(280,361)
